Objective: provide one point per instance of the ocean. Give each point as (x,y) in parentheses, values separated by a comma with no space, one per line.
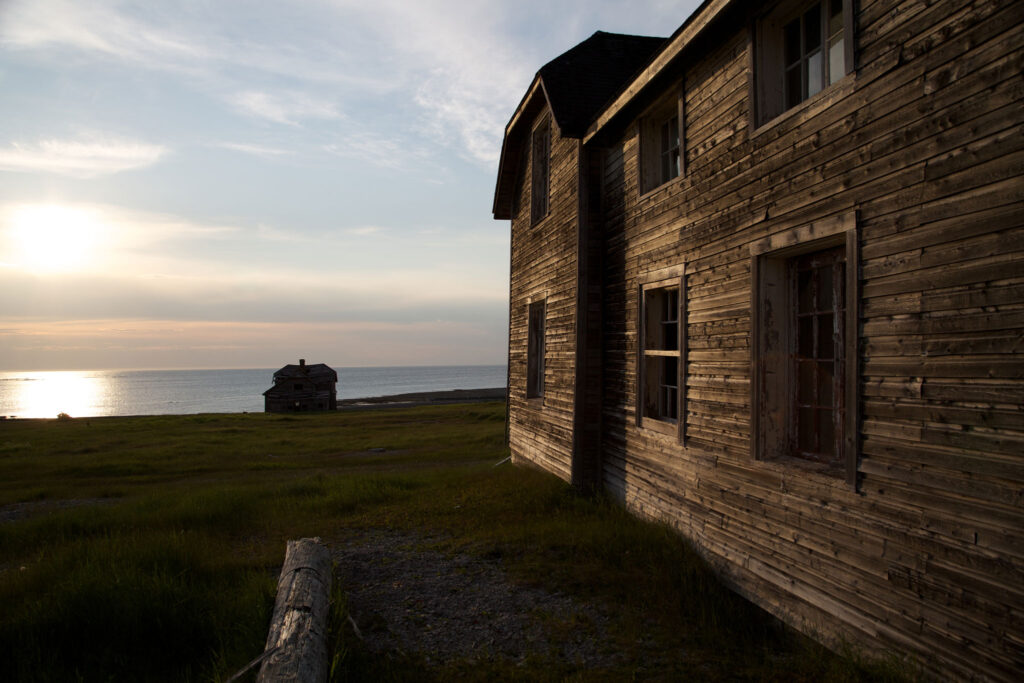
(97,393)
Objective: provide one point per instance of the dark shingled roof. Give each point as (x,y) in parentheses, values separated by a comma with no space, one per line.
(312,371)
(579,82)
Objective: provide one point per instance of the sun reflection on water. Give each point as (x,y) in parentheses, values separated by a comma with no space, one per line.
(46,394)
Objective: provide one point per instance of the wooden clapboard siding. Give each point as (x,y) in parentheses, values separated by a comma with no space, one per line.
(925,143)
(544,267)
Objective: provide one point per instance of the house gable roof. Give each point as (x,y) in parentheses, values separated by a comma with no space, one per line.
(575,85)
(673,47)
(580,81)
(315,371)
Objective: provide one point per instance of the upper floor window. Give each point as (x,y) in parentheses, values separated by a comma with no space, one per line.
(802,48)
(540,172)
(660,143)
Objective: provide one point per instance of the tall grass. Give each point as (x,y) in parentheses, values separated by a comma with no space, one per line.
(169,575)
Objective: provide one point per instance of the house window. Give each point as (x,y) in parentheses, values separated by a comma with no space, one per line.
(802,48)
(662,356)
(660,143)
(541,172)
(804,357)
(818,280)
(535,350)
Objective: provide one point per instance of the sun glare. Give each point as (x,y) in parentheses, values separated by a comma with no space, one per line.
(52,238)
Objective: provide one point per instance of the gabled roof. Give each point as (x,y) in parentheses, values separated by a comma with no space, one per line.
(576,85)
(317,370)
(579,82)
(674,46)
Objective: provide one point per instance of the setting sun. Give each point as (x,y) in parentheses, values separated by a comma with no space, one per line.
(52,238)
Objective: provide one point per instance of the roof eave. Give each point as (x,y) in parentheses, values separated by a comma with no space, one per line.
(683,37)
(502,208)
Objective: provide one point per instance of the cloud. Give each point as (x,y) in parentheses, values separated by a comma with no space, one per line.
(455,70)
(95,27)
(255,150)
(287,107)
(80,158)
(144,262)
(379,150)
(84,238)
(464,73)
(364,230)
(160,343)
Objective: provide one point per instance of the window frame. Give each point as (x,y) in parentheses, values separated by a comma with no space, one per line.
(536,327)
(770,416)
(540,171)
(664,279)
(669,106)
(768,66)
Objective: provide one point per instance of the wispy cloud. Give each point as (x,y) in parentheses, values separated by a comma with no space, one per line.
(376,149)
(289,108)
(454,67)
(99,27)
(457,73)
(147,342)
(82,158)
(464,74)
(255,150)
(364,230)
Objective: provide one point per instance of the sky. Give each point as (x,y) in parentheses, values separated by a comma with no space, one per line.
(241,183)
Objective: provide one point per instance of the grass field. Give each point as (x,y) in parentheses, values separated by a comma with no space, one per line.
(147,548)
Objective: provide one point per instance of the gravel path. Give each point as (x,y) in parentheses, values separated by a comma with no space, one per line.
(16,511)
(415,601)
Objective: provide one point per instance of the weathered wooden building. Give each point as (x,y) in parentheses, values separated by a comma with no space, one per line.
(767,285)
(302,388)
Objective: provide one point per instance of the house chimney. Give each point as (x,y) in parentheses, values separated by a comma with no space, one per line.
(302,361)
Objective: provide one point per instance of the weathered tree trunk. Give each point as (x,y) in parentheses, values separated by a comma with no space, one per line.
(298,629)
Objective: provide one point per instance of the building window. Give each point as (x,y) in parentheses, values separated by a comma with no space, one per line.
(535,350)
(802,48)
(662,355)
(805,348)
(541,172)
(818,282)
(661,138)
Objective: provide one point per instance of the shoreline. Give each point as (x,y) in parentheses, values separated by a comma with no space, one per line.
(445,397)
(408,400)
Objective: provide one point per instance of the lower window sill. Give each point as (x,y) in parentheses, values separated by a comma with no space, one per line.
(665,427)
(803,465)
(812,106)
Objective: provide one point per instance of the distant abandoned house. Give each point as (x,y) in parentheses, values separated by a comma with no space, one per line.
(302,388)
(767,285)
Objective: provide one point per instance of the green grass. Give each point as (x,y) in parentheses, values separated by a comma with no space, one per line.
(171,577)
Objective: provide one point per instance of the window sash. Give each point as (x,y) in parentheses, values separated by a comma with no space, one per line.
(801,49)
(771,377)
(817,296)
(661,141)
(540,172)
(536,313)
(661,356)
(669,134)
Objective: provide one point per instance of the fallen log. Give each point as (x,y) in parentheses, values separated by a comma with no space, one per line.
(296,647)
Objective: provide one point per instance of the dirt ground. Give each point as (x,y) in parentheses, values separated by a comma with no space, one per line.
(408,599)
